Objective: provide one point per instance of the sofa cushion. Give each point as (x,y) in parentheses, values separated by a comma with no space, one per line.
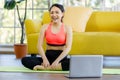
(32,26)
(104,21)
(46,18)
(77,17)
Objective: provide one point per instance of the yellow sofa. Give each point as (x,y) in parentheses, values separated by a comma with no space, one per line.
(101,35)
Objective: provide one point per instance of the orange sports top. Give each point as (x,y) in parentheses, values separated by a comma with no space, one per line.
(55,38)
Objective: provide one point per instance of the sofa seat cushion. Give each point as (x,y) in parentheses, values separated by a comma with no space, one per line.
(103,43)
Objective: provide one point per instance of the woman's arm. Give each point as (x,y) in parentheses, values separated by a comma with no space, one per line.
(40,46)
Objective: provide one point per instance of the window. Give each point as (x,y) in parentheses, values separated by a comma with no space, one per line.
(10,27)
(102,5)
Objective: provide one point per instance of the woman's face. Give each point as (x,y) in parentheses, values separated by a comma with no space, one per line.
(56,14)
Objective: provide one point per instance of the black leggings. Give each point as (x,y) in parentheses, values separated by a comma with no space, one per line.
(51,55)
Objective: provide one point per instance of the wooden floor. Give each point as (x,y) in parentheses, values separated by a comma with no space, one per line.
(10,60)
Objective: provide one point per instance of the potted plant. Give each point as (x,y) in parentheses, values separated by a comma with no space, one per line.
(18,48)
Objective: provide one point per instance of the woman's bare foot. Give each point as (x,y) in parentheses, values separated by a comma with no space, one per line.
(38,67)
(56,68)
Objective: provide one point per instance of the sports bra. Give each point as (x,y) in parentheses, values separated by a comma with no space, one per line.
(55,38)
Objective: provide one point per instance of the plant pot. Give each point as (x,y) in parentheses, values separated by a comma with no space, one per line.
(20,50)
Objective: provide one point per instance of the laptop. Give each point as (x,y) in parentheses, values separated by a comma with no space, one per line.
(83,66)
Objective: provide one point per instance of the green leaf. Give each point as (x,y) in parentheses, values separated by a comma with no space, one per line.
(10,4)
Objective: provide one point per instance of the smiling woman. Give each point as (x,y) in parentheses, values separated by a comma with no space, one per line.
(59,41)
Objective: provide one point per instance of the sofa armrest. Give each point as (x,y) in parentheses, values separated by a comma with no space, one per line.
(32,26)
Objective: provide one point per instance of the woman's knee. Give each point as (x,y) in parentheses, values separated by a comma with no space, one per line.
(65,65)
(24,60)
(30,62)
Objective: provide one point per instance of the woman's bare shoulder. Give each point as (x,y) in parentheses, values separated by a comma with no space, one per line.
(68,28)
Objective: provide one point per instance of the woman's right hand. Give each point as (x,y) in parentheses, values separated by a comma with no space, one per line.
(45,63)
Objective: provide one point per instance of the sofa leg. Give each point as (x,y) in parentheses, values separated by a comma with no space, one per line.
(33,55)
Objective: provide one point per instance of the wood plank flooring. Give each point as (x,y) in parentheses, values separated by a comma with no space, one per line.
(10,60)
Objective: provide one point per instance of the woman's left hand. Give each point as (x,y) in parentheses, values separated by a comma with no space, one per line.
(54,65)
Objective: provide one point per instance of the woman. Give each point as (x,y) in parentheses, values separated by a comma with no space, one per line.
(59,41)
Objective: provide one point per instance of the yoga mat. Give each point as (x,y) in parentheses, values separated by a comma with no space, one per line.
(23,69)
(111,71)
